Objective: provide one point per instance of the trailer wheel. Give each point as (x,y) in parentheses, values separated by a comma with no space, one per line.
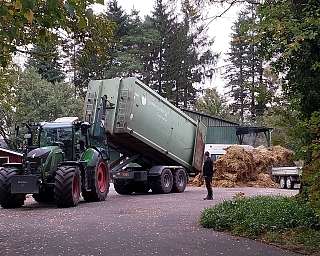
(289,183)
(7,199)
(163,183)
(122,187)
(100,182)
(282,182)
(67,186)
(179,181)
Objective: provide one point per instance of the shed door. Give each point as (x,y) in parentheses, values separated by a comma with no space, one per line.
(199,146)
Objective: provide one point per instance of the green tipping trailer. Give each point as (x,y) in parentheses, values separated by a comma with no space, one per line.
(148,130)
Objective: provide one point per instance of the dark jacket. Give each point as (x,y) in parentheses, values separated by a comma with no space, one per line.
(208,167)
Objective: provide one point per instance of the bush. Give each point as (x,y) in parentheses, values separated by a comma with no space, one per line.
(255,216)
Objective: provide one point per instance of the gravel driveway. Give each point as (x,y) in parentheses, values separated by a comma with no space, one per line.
(127,225)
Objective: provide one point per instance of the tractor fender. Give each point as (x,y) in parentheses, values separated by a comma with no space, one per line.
(91,156)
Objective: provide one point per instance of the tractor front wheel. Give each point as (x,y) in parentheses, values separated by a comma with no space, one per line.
(7,199)
(67,186)
(100,188)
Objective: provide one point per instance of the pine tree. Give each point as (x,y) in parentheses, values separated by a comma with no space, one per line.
(45,59)
(237,70)
(247,82)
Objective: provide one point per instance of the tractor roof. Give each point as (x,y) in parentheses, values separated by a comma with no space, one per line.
(61,122)
(69,120)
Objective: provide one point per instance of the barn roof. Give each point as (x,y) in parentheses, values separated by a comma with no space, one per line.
(208,116)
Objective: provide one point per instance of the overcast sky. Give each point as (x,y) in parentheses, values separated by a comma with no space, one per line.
(220,29)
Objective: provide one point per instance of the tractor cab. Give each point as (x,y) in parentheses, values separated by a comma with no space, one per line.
(68,133)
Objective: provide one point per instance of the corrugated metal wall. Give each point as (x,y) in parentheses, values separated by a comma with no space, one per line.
(219,131)
(222,135)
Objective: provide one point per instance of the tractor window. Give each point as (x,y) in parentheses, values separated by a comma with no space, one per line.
(51,136)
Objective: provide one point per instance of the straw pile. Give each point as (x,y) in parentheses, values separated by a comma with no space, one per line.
(244,167)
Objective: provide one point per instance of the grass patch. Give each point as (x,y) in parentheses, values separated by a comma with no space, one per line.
(302,240)
(282,220)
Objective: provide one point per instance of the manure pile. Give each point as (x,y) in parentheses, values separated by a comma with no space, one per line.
(248,167)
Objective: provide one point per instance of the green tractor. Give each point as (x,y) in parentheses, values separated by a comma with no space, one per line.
(59,166)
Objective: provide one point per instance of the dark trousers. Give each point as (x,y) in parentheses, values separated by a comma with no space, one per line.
(208,181)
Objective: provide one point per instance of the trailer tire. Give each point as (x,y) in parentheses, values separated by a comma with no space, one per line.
(122,187)
(7,199)
(67,186)
(100,188)
(282,182)
(162,184)
(289,183)
(179,181)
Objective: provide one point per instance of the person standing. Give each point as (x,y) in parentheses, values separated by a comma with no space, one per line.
(208,174)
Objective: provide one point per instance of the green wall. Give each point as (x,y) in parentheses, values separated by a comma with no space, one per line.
(221,135)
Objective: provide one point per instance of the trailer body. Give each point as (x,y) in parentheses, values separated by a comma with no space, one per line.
(144,127)
(288,177)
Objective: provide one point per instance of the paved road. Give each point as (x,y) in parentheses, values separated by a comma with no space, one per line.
(126,225)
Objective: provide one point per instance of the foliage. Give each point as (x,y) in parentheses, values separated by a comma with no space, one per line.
(129,41)
(255,216)
(213,104)
(181,56)
(311,175)
(45,58)
(250,81)
(90,50)
(284,118)
(290,32)
(21,20)
(302,240)
(30,98)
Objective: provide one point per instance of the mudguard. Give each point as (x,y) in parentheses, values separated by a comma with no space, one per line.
(91,156)
(157,170)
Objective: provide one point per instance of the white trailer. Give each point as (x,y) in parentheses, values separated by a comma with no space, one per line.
(287,177)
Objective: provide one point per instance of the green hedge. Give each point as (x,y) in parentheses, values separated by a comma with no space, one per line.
(258,215)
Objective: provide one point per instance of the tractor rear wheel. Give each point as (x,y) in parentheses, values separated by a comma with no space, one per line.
(67,186)
(7,199)
(122,187)
(100,188)
(163,183)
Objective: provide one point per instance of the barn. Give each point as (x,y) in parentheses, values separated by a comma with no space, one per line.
(9,156)
(220,131)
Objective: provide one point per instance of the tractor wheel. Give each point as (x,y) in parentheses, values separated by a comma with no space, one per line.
(163,183)
(141,187)
(101,184)
(67,186)
(7,199)
(122,187)
(179,181)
